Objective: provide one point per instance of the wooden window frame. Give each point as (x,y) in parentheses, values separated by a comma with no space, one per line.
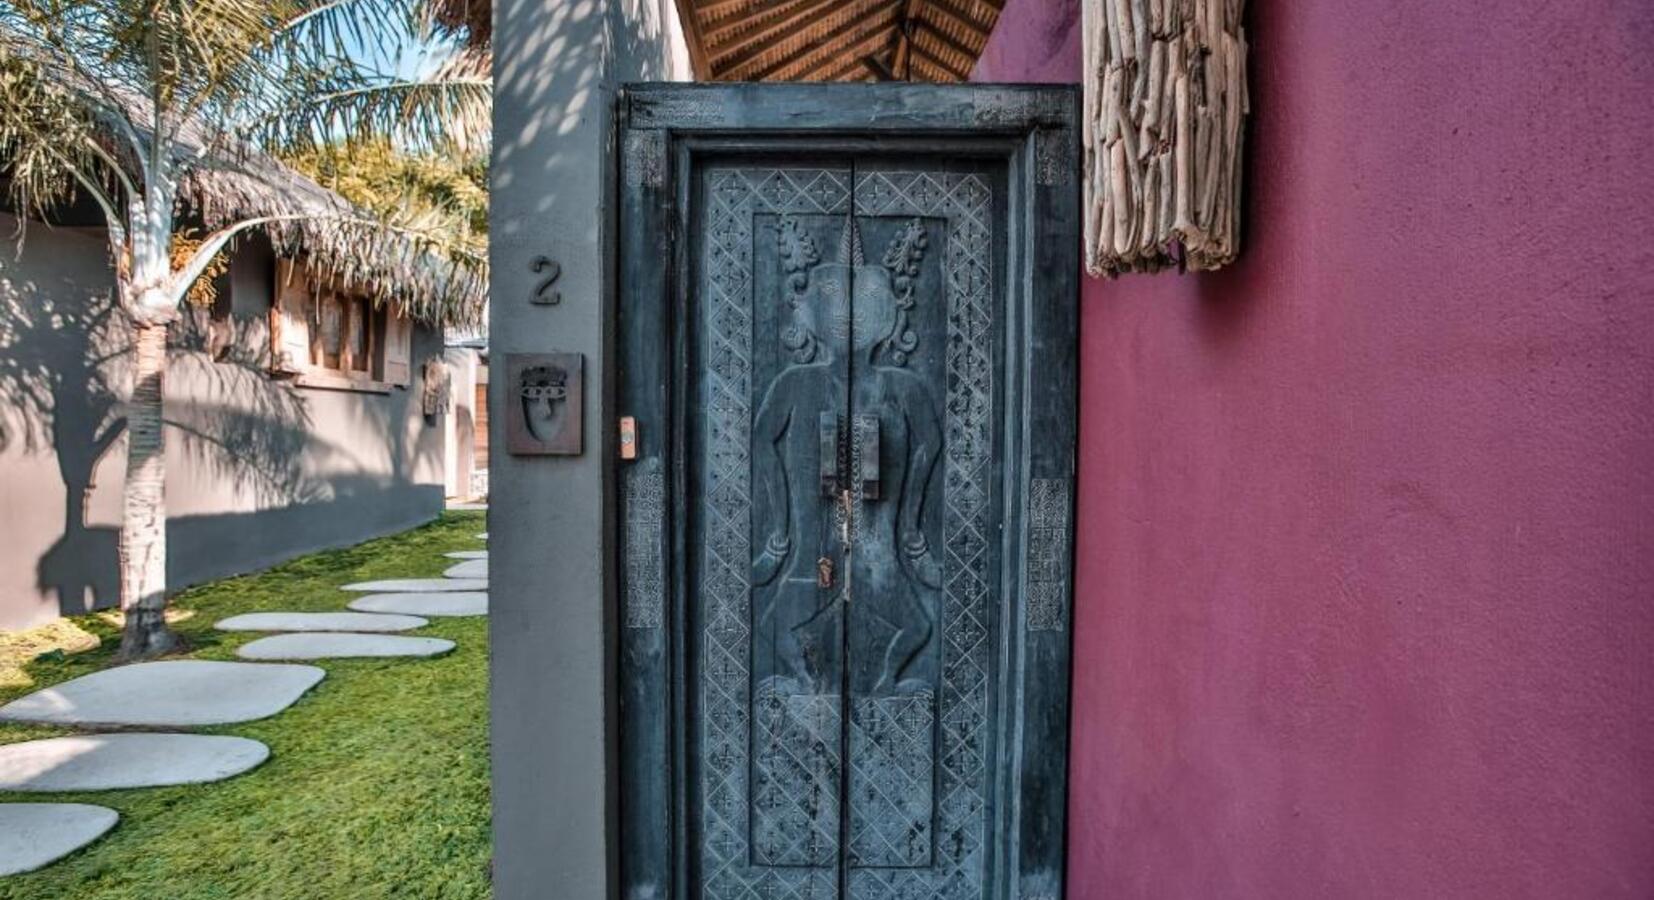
(307,373)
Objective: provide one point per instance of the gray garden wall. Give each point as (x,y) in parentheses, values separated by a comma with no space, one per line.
(258,471)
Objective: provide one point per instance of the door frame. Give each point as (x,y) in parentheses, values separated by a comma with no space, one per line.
(662,130)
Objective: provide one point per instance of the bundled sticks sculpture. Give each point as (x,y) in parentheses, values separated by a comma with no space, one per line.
(1165,111)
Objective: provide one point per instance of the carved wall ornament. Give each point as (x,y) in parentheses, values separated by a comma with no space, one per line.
(436,395)
(1165,117)
(544,404)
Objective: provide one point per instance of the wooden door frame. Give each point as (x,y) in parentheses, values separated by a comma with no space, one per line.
(662,130)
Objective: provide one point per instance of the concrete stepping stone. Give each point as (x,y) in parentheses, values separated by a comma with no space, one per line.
(467,554)
(102,762)
(451,603)
(34,834)
(471,568)
(483,536)
(319,621)
(419,585)
(171,693)
(329,645)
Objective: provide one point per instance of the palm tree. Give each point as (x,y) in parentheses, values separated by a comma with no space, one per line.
(138,104)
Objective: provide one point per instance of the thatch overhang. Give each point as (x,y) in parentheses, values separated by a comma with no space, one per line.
(223,181)
(802,40)
(837,40)
(339,241)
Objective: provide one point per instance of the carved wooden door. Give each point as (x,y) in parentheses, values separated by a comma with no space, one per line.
(846,565)
(848,580)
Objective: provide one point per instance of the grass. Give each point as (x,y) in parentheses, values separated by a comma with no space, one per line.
(377,784)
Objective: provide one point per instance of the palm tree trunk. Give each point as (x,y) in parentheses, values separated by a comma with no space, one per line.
(143,509)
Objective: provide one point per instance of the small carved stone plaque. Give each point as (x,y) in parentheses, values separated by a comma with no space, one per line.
(544,404)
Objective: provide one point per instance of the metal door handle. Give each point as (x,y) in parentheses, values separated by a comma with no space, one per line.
(867,455)
(829,452)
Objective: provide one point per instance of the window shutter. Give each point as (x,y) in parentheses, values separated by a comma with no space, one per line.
(290,321)
(398,348)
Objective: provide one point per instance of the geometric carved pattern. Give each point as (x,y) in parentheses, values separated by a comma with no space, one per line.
(1018,108)
(644,495)
(733,197)
(892,773)
(796,773)
(965,200)
(1054,162)
(1047,553)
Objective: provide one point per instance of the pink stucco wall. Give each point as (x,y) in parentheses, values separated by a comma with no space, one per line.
(1365,602)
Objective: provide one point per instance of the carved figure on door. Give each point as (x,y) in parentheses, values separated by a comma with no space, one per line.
(898,437)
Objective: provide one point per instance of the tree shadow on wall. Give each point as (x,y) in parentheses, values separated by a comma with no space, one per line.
(58,357)
(63,372)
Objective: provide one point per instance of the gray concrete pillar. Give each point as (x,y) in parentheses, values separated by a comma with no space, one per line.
(558,65)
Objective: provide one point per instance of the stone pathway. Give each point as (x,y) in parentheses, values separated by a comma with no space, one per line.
(471,568)
(184,693)
(34,834)
(171,694)
(338,645)
(319,621)
(450,603)
(102,762)
(423,585)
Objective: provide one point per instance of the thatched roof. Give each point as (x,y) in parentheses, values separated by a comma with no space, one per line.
(470,20)
(224,182)
(339,240)
(798,40)
(837,40)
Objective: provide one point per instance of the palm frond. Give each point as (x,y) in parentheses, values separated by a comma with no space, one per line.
(450,113)
(130,101)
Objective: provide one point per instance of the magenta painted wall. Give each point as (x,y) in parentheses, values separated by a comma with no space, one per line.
(1365,601)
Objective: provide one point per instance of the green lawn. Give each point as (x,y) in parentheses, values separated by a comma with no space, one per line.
(377,784)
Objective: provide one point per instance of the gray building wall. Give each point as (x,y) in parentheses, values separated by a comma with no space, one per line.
(557,68)
(465,365)
(258,470)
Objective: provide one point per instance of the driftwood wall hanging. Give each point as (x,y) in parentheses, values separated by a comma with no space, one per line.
(1165,110)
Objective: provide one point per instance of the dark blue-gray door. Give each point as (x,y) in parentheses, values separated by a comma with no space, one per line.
(845,527)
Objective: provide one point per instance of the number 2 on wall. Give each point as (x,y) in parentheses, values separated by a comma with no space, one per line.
(554,271)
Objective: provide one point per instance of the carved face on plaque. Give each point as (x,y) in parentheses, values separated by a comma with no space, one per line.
(542,391)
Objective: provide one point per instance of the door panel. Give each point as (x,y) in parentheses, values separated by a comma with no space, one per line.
(769,659)
(925,588)
(847,578)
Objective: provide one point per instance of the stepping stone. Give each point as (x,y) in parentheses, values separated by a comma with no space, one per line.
(452,603)
(319,621)
(467,554)
(468,506)
(327,645)
(475,568)
(419,585)
(171,693)
(101,762)
(34,834)
(483,536)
